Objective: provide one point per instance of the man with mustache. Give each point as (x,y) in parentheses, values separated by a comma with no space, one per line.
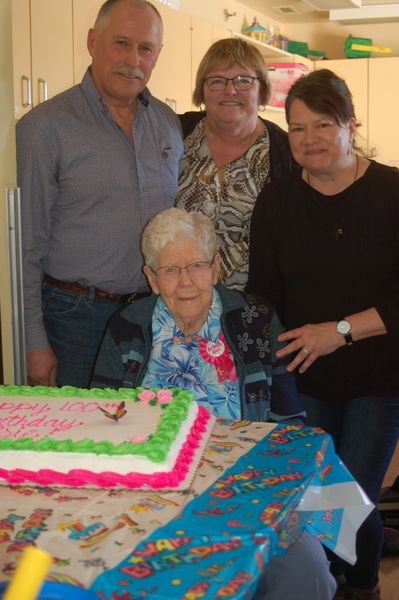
(94,164)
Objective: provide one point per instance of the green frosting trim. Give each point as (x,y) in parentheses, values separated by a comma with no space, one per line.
(154,449)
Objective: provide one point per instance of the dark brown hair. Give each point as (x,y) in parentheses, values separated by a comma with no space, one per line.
(323,92)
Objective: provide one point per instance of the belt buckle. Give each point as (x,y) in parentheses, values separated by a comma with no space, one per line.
(129,298)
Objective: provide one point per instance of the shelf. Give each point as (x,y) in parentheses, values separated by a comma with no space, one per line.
(266,50)
(271,52)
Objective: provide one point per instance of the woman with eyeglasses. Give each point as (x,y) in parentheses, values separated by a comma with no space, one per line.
(230,153)
(218,344)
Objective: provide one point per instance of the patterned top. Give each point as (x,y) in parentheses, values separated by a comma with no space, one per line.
(226,195)
(201,363)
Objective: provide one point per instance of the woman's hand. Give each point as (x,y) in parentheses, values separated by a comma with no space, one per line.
(309,342)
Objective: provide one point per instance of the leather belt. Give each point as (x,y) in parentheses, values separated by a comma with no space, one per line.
(83,290)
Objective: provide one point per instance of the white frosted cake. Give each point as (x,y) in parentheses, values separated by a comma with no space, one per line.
(100,438)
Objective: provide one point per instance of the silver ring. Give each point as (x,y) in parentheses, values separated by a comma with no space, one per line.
(305,351)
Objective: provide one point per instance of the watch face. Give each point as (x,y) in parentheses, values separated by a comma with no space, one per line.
(343,327)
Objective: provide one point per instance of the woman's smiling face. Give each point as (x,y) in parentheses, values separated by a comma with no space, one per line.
(188,295)
(230,105)
(317,142)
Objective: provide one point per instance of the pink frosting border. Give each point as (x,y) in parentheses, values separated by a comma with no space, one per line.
(108,479)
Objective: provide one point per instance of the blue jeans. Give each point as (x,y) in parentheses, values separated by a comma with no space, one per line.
(75,326)
(300,574)
(365,433)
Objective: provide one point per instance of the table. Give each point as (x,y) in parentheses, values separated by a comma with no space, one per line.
(257,487)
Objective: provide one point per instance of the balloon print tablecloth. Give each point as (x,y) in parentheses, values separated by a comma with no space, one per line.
(256,489)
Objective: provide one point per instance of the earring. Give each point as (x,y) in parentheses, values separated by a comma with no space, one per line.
(261,108)
(202,107)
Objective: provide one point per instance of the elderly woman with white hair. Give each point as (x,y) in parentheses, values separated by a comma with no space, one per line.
(221,346)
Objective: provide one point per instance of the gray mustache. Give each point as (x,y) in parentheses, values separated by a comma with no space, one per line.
(130,72)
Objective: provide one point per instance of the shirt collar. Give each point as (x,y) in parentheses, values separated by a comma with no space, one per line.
(163,319)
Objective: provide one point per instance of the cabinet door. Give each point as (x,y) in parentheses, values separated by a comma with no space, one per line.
(383,109)
(51,47)
(276,115)
(84,16)
(21,57)
(203,35)
(355,73)
(201,39)
(220,33)
(171,79)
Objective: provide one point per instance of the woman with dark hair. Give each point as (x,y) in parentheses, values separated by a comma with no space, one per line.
(324,248)
(230,153)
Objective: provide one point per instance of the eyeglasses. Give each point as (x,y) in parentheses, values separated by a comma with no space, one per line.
(241,83)
(194,270)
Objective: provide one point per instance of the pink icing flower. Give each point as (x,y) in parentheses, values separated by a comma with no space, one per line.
(146,395)
(165,396)
(136,439)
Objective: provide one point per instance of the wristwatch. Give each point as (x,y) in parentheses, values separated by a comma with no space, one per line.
(345,329)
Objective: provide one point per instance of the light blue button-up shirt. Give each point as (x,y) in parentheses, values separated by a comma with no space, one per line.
(87,191)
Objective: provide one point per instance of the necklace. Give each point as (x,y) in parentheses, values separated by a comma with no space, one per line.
(246,142)
(339,231)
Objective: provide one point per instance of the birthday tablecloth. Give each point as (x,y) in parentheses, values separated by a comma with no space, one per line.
(256,489)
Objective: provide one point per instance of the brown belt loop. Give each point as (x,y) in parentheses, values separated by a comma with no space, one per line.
(83,290)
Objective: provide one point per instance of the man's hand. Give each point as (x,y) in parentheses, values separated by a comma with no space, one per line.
(41,366)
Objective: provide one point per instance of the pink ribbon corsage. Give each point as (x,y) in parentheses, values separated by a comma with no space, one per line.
(219,355)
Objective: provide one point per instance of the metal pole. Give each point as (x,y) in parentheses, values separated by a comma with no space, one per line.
(16,284)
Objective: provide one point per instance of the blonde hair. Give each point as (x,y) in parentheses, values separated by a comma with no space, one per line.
(171,224)
(227,53)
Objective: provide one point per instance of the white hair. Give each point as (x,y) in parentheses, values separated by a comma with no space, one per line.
(169,225)
(107,7)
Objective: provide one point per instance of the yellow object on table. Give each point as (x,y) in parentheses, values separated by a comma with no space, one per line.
(29,576)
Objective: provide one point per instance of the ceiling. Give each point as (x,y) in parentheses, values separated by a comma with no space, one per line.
(344,11)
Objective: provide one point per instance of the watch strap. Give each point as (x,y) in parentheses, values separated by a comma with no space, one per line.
(347,336)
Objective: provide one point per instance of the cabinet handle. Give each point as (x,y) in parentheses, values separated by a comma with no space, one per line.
(25,83)
(172,103)
(42,83)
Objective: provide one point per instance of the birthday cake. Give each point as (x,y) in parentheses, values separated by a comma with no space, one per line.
(72,437)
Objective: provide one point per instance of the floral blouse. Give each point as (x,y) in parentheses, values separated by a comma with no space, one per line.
(201,363)
(226,195)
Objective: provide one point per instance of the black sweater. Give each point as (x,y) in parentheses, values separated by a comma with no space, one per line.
(310,276)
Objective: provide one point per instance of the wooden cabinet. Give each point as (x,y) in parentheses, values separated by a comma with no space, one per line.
(42,51)
(186,39)
(275,55)
(375,92)
(203,35)
(355,74)
(383,98)
(171,79)
(84,16)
